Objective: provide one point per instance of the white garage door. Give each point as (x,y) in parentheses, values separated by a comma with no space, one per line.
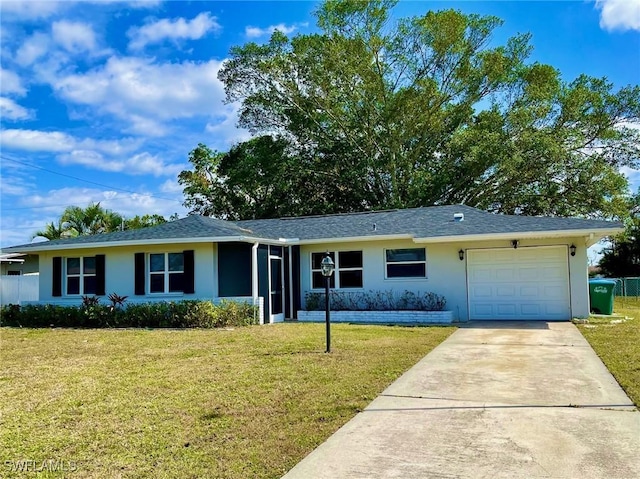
(523,283)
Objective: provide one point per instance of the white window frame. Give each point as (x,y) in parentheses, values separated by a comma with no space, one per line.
(166,273)
(405,278)
(338,269)
(81,276)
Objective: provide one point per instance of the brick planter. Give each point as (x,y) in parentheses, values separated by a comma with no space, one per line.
(379,317)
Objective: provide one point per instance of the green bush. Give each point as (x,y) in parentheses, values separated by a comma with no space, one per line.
(179,314)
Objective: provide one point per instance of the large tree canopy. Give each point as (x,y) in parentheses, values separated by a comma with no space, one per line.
(376,113)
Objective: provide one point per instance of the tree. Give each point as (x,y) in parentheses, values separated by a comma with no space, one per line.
(94,219)
(51,231)
(90,220)
(372,114)
(143,221)
(622,257)
(259,178)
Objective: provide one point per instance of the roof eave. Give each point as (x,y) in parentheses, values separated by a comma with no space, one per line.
(112,244)
(350,239)
(591,236)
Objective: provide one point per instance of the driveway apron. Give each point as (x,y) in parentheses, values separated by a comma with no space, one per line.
(495,400)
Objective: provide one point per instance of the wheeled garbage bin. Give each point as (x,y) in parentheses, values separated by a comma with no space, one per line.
(601,295)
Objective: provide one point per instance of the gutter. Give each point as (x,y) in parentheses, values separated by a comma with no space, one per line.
(591,236)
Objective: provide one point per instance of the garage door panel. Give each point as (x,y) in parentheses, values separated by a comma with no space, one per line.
(529,291)
(506,309)
(523,283)
(505,290)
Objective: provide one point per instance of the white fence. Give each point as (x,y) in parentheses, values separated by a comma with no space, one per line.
(16,289)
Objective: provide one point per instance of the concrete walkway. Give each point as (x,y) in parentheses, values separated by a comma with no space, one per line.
(495,400)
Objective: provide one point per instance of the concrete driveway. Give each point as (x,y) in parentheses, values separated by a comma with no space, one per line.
(495,400)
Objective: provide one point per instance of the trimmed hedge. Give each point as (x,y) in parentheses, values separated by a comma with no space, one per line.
(376,301)
(180,314)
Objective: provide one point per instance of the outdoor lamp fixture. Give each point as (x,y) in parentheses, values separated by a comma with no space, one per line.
(461,255)
(327,267)
(572,249)
(515,243)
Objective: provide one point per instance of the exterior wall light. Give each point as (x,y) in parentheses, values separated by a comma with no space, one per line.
(327,268)
(515,244)
(461,255)
(572,249)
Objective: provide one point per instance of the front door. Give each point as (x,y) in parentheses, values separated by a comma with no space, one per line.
(276,286)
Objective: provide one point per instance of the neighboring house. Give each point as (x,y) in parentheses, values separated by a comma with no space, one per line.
(18,278)
(16,264)
(487,266)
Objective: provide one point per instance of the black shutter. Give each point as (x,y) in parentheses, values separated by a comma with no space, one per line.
(189,272)
(139,274)
(100,279)
(56,283)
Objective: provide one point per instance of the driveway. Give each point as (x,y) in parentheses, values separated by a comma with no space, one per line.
(495,400)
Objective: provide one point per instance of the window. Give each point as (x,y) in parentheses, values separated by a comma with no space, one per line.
(81,275)
(348,273)
(166,273)
(406,263)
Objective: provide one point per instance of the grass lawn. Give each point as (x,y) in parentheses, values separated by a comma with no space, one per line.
(618,345)
(242,403)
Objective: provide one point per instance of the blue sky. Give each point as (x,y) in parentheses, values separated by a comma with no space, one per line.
(104,100)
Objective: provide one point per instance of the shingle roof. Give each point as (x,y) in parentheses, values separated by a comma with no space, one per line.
(190,227)
(427,222)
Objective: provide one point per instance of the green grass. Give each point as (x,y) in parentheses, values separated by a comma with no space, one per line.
(618,344)
(242,403)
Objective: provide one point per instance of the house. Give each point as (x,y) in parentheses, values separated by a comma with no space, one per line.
(487,266)
(16,264)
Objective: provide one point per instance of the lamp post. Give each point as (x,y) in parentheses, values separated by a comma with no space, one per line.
(327,267)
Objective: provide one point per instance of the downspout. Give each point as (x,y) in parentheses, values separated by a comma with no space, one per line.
(254,280)
(293,315)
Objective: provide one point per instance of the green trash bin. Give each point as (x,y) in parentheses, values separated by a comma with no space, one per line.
(601,295)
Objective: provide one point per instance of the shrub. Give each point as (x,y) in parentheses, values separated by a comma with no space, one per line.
(92,314)
(376,301)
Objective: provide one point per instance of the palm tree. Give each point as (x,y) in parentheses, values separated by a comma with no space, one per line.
(93,219)
(51,231)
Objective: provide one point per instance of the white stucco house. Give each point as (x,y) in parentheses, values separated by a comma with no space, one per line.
(487,266)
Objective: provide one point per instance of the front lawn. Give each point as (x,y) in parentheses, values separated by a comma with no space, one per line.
(249,402)
(618,344)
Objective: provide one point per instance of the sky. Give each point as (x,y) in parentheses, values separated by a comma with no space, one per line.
(102,101)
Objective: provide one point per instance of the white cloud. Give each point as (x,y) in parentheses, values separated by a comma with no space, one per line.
(11,83)
(146,93)
(256,32)
(127,204)
(32,49)
(29,9)
(139,164)
(10,110)
(145,126)
(174,29)
(14,185)
(74,37)
(619,14)
(171,187)
(223,129)
(59,142)
(34,140)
